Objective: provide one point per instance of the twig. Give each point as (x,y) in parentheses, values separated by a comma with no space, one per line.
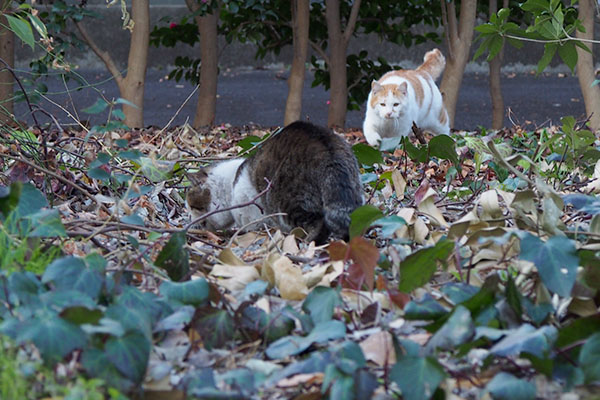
(60,178)
(264,217)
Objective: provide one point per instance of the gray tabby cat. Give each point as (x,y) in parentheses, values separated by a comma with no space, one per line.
(314,180)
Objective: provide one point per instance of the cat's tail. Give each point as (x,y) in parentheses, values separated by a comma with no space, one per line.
(434,63)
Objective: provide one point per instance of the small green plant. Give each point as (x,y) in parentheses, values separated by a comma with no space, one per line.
(13,384)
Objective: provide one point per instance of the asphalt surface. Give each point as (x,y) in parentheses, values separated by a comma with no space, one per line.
(257,96)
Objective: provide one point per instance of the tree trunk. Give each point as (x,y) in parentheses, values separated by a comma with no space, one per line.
(495,88)
(300,25)
(209,69)
(459,35)
(7,54)
(338,45)
(585,65)
(132,87)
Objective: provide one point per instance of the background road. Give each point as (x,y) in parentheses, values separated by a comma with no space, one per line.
(257,96)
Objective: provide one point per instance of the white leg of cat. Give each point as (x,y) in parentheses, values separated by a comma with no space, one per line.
(371,134)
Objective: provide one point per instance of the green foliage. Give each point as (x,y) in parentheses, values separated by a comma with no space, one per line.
(505,386)
(553,22)
(268,25)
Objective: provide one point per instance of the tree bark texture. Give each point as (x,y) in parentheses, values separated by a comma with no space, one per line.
(132,87)
(458,35)
(585,65)
(338,45)
(495,88)
(300,26)
(209,69)
(7,54)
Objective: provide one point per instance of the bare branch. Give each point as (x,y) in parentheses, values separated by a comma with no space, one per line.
(320,51)
(102,54)
(351,25)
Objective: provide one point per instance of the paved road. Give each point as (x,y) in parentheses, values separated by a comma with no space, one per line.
(258,97)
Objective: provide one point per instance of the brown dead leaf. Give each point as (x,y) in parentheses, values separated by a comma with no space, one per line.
(234,277)
(315,378)
(228,257)
(422,191)
(399,184)
(289,280)
(379,348)
(323,275)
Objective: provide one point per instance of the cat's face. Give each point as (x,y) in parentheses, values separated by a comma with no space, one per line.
(388,101)
(198,196)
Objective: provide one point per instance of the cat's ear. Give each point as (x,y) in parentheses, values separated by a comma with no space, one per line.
(376,87)
(403,87)
(198,178)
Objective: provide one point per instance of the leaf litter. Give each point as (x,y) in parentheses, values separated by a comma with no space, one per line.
(464,277)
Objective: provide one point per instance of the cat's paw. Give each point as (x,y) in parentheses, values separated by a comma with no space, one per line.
(372,137)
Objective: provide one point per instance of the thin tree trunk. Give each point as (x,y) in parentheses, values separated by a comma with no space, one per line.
(459,35)
(338,45)
(131,87)
(300,26)
(137,62)
(495,87)
(209,68)
(7,54)
(585,65)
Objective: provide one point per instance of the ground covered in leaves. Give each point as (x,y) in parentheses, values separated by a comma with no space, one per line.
(472,271)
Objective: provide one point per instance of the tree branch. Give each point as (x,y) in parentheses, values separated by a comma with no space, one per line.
(102,54)
(351,25)
(320,51)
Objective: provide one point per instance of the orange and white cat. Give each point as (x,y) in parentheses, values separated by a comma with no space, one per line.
(402,97)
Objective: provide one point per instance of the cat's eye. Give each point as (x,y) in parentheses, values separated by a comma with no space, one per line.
(382,104)
(396,104)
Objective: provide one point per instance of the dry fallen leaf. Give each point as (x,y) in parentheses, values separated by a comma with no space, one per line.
(289,280)
(379,348)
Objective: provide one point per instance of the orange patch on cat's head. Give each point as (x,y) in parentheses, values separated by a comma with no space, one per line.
(380,92)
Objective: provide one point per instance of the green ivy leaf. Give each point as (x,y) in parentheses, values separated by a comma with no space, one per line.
(390,224)
(458,329)
(22,29)
(568,54)
(157,170)
(588,358)
(417,268)
(96,108)
(216,329)
(417,377)
(74,273)
(46,223)
(505,386)
(556,261)
(367,155)
(292,345)
(362,218)
(174,257)
(129,354)
(193,293)
(526,339)
(97,364)
(81,315)
(444,147)
(549,51)
(53,336)
(320,303)
(99,173)
(418,154)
